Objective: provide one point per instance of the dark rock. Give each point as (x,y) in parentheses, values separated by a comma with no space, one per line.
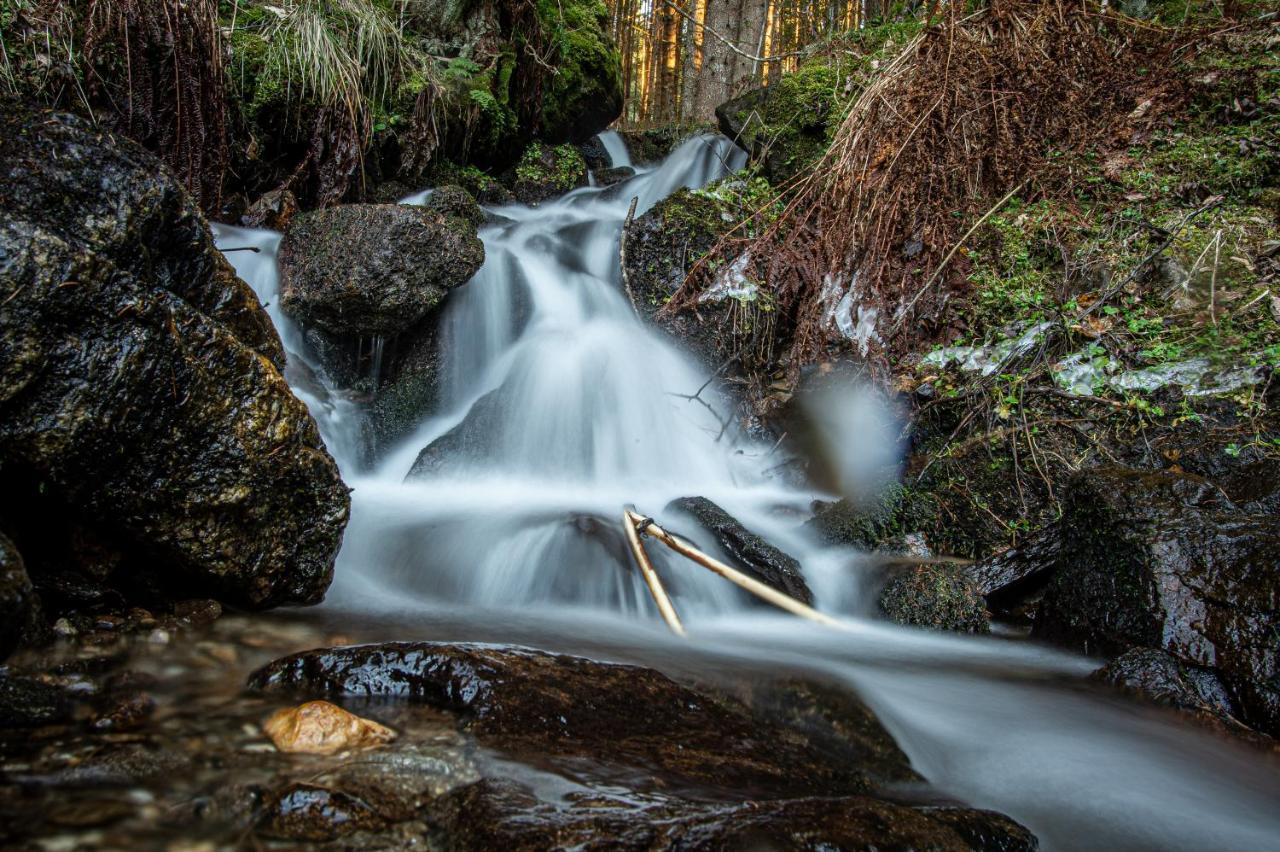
(470,440)
(545,172)
(139,384)
(306,812)
(544,707)
(373,269)
(29,703)
(19,606)
(660,247)
(935,596)
(594,155)
(1163,679)
(1014,578)
(745,550)
(455,201)
(783,126)
(655,144)
(1163,560)
(608,177)
(408,393)
(506,815)
(273,211)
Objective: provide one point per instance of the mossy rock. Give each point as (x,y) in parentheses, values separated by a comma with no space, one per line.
(584,95)
(934,596)
(786,126)
(545,172)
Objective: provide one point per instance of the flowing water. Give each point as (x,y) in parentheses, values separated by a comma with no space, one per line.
(583,409)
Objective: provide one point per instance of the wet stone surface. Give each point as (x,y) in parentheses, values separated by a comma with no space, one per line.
(494,747)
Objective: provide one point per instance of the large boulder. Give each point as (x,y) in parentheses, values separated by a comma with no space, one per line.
(1164,560)
(471,440)
(776,765)
(545,172)
(373,269)
(140,386)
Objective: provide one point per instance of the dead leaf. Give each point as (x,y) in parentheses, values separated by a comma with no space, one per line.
(318,727)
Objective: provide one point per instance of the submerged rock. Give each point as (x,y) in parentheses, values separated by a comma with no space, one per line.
(318,727)
(26,702)
(470,440)
(140,391)
(308,812)
(545,707)
(745,550)
(1163,560)
(410,390)
(373,269)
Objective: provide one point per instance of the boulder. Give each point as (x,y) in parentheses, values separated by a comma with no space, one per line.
(545,172)
(1164,560)
(654,144)
(608,177)
(140,388)
(745,550)
(409,391)
(660,247)
(373,269)
(455,201)
(539,706)
(1162,679)
(934,596)
(273,210)
(472,439)
(654,764)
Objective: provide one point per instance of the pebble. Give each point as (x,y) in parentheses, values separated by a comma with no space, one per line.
(318,727)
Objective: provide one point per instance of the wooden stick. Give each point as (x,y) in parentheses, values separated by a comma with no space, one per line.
(755,587)
(651,576)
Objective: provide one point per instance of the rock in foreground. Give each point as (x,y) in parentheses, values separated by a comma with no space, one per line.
(786,765)
(141,400)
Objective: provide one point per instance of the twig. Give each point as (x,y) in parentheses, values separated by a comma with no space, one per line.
(651,579)
(755,587)
(1142,264)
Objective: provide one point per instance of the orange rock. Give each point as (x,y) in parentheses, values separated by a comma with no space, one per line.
(318,727)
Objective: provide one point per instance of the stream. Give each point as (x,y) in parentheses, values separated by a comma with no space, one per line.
(587,410)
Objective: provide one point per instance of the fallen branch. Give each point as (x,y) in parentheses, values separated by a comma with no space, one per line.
(764,592)
(651,578)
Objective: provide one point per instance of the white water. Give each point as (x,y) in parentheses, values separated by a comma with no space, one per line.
(523,544)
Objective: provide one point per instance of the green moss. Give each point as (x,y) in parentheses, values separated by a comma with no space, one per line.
(938,597)
(557,169)
(585,93)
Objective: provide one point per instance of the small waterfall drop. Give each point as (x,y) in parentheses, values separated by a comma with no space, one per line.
(578,409)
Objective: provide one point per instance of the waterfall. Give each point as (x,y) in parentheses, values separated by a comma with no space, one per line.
(581,409)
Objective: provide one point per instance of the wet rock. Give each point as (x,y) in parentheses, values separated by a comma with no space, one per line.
(122,712)
(564,710)
(608,177)
(660,248)
(656,144)
(19,607)
(745,550)
(373,269)
(121,766)
(274,211)
(505,815)
(1163,679)
(398,782)
(1012,576)
(594,155)
(934,596)
(306,812)
(318,727)
(784,125)
(470,440)
(26,702)
(455,201)
(1163,560)
(140,391)
(545,172)
(409,392)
